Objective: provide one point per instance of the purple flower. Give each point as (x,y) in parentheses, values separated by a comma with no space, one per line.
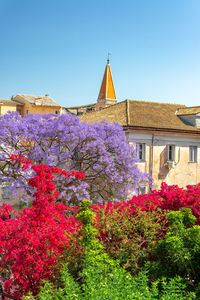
(99,150)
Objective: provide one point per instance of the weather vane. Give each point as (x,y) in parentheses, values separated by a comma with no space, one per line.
(108,59)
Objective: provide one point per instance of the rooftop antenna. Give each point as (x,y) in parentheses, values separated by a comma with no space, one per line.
(108,59)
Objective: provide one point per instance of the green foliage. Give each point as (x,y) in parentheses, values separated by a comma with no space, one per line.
(130,237)
(103,278)
(179,252)
(174,288)
(69,288)
(87,217)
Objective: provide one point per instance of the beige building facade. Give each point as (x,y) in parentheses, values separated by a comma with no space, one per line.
(30,104)
(173,158)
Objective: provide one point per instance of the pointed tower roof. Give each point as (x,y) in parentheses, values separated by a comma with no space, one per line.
(107,90)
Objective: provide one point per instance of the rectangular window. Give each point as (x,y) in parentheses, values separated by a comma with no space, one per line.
(27,111)
(171,153)
(141,151)
(193,154)
(141,190)
(6,193)
(19,111)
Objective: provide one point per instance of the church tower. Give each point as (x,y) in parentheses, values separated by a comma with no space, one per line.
(107,94)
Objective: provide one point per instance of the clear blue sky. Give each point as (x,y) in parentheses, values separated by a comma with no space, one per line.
(60,47)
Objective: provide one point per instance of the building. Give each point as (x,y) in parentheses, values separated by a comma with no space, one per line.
(7,105)
(168,135)
(26,104)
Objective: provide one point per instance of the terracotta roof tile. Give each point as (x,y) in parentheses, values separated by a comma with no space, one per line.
(114,113)
(144,114)
(5,101)
(188,111)
(38,100)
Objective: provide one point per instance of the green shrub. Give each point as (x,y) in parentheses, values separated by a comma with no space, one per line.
(130,237)
(103,278)
(179,252)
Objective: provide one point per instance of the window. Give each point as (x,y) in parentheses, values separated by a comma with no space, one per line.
(57,112)
(141,153)
(6,193)
(171,153)
(27,111)
(19,111)
(79,113)
(141,190)
(193,154)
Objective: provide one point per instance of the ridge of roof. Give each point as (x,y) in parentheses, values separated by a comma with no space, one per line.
(86,105)
(196,106)
(164,103)
(2,101)
(46,100)
(103,108)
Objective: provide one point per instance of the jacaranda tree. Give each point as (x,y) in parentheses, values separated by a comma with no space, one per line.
(99,150)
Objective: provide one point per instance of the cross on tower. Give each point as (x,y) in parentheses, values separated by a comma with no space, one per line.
(108,59)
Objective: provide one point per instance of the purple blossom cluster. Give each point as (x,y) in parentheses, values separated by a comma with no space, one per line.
(99,150)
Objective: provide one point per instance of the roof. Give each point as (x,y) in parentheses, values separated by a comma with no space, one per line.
(38,100)
(81,106)
(107,90)
(193,110)
(142,114)
(5,101)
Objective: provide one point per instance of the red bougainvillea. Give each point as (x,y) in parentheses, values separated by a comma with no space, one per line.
(31,242)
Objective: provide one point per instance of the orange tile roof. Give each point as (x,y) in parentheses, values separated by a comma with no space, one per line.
(107,90)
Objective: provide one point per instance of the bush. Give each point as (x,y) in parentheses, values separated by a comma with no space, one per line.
(103,278)
(32,242)
(179,252)
(129,234)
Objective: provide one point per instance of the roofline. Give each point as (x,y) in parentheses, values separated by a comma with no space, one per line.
(191,106)
(189,114)
(45,105)
(7,103)
(164,130)
(182,106)
(86,105)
